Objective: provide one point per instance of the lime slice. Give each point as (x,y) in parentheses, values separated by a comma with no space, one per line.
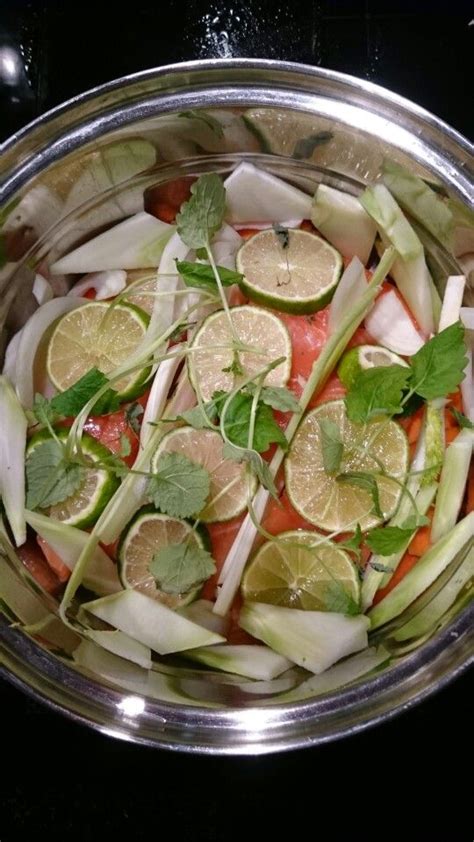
(299,277)
(82,508)
(229,480)
(138,296)
(295,572)
(96,335)
(148,532)
(365,356)
(259,328)
(335,506)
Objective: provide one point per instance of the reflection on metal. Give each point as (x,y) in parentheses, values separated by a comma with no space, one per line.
(11,67)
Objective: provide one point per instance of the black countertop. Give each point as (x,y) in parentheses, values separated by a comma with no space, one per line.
(408,777)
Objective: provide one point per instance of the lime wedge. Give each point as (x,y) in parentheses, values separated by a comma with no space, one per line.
(336,506)
(148,532)
(258,328)
(296,272)
(82,508)
(96,335)
(229,480)
(365,356)
(295,572)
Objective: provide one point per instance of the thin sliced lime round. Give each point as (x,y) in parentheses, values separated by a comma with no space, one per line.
(229,480)
(146,534)
(320,497)
(101,336)
(265,332)
(363,357)
(297,572)
(295,272)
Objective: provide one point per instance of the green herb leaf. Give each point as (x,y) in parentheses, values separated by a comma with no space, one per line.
(179,568)
(387,540)
(202,215)
(43,412)
(266,431)
(201,275)
(461,419)
(353,544)
(132,414)
(337,599)
(305,146)
(71,401)
(235,367)
(179,487)
(125,446)
(416,520)
(258,465)
(50,477)
(368,483)
(205,118)
(201,254)
(278,397)
(331,445)
(377,391)
(282,234)
(438,367)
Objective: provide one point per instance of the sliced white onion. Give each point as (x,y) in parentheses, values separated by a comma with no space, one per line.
(9,366)
(225,245)
(42,290)
(31,336)
(107,284)
(452,301)
(389,323)
(467,387)
(467,317)
(352,285)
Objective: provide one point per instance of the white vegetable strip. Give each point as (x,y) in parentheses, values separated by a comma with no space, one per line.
(389,323)
(343,221)
(467,317)
(352,285)
(253,661)
(467,387)
(9,366)
(253,195)
(31,336)
(452,301)
(158,396)
(452,484)
(238,554)
(107,284)
(42,289)
(13,428)
(225,245)
(68,543)
(261,226)
(121,644)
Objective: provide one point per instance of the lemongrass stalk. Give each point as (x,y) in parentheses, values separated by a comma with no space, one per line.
(452,484)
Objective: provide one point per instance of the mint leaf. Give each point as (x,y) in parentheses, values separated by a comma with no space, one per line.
(438,367)
(387,540)
(331,445)
(179,568)
(205,118)
(202,215)
(278,397)
(461,419)
(368,483)
(282,234)
(43,412)
(353,544)
(50,477)
(266,431)
(305,146)
(337,599)
(132,414)
(71,401)
(377,391)
(179,487)
(202,276)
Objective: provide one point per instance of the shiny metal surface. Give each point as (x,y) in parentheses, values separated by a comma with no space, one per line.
(39,166)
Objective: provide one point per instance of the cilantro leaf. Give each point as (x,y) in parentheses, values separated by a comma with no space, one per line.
(305,146)
(179,487)
(132,414)
(50,477)
(266,430)
(368,483)
(205,118)
(202,276)
(202,215)
(337,599)
(72,400)
(377,391)
(438,367)
(282,234)
(331,445)
(387,540)
(178,568)
(461,419)
(278,397)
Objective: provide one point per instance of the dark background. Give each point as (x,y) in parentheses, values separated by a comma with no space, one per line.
(410,778)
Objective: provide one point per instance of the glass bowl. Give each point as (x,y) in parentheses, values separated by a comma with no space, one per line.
(307,125)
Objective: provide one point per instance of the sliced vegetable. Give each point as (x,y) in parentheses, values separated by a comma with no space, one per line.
(452,484)
(351,287)
(312,639)
(123,645)
(106,284)
(363,357)
(13,428)
(341,218)
(452,301)
(151,623)
(253,195)
(389,323)
(252,661)
(42,289)
(200,612)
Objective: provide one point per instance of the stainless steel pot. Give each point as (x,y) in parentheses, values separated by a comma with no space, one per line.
(309,125)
